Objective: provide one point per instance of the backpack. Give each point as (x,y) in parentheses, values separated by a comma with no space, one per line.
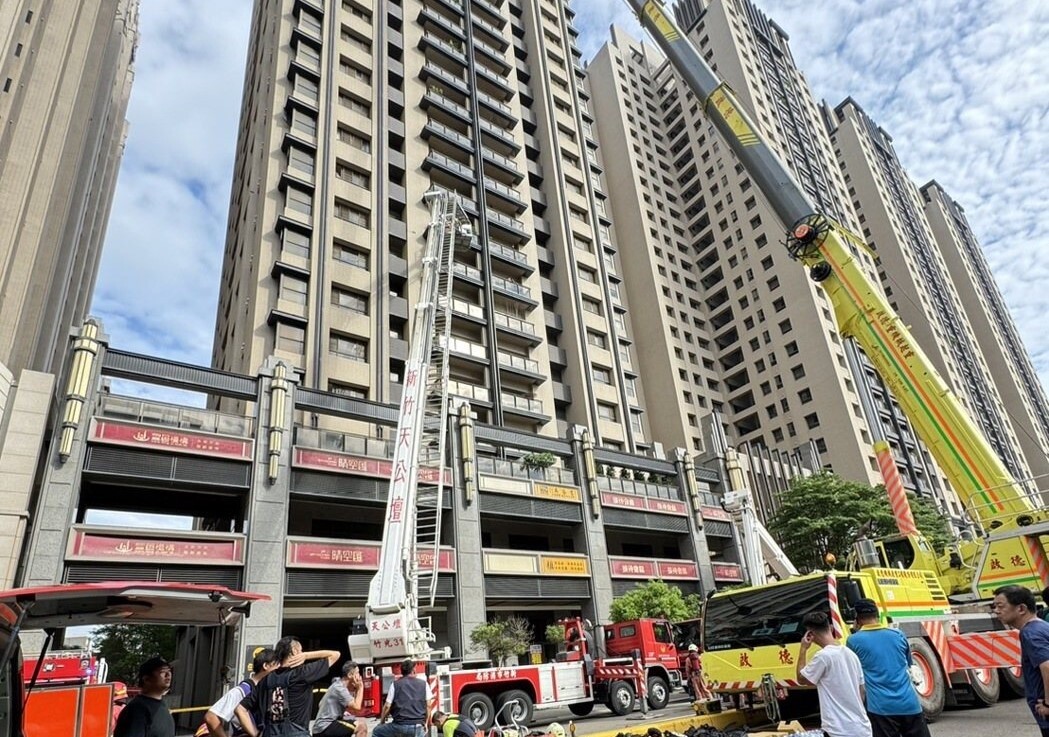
(246,686)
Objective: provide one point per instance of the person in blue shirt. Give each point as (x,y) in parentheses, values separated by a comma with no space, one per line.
(1014,606)
(892,702)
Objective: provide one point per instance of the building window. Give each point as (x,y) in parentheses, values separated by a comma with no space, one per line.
(293,289)
(602,375)
(347,347)
(813,421)
(592,306)
(307,55)
(309,22)
(291,339)
(352,175)
(304,123)
(357,106)
(359,142)
(606,411)
(307,89)
(295,243)
(350,300)
(351,214)
(301,160)
(596,339)
(298,201)
(350,255)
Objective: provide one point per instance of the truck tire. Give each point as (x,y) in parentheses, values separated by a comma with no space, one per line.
(984,686)
(931,688)
(581,709)
(658,693)
(621,698)
(1012,682)
(478,708)
(521,712)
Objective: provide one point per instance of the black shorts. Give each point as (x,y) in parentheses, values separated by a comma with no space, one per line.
(338,728)
(908,725)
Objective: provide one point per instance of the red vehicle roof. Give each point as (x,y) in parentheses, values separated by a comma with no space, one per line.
(144,602)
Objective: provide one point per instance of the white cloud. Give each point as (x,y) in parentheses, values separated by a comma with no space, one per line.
(960,87)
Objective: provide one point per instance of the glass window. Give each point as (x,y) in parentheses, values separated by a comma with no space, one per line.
(295,243)
(596,339)
(307,89)
(350,255)
(347,390)
(293,289)
(299,201)
(351,214)
(304,123)
(301,160)
(602,375)
(291,338)
(606,411)
(347,347)
(352,175)
(752,619)
(350,300)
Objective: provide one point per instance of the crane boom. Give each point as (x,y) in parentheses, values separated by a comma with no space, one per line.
(990,494)
(409,554)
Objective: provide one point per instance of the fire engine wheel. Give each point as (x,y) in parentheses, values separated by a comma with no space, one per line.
(621,698)
(658,693)
(1012,682)
(930,685)
(478,708)
(520,712)
(581,709)
(984,686)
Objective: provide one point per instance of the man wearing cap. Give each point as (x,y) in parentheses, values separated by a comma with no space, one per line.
(147,715)
(884,653)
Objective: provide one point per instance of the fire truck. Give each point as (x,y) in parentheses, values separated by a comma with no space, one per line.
(81,705)
(65,667)
(751,635)
(615,665)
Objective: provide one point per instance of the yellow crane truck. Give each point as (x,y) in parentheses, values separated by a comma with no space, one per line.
(751,634)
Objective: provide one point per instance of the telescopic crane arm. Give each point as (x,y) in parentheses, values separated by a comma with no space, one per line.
(987,489)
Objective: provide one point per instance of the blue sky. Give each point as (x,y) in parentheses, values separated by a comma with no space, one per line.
(960,86)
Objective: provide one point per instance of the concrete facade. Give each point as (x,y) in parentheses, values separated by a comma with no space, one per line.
(65,78)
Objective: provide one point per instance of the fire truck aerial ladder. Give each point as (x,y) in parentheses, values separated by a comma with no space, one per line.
(1010,522)
(407,575)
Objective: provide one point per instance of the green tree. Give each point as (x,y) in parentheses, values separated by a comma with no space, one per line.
(503,637)
(825,513)
(654,599)
(555,634)
(126,646)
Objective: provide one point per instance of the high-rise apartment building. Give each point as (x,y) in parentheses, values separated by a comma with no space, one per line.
(1014,376)
(725,321)
(915,276)
(65,78)
(352,112)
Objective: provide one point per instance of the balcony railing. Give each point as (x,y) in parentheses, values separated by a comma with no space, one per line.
(467,348)
(511,254)
(522,403)
(462,169)
(518,362)
(469,391)
(514,323)
(518,470)
(172,415)
(639,488)
(467,271)
(467,308)
(511,286)
(341,442)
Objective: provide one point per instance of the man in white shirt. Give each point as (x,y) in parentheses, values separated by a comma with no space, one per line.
(222,712)
(836,673)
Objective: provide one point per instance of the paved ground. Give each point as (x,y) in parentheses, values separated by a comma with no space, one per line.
(1005,719)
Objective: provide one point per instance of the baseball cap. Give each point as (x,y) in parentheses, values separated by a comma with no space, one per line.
(693,648)
(866,606)
(152,665)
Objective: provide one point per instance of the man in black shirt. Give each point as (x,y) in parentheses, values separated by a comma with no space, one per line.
(284,700)
(147,715)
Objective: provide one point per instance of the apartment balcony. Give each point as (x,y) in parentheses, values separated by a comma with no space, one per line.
(492,54)
(397,266)
(511,256)
(459,170)
(432,72)
(554,322)
(503,90)
(340,442)
(399,307)
(506,194)
(518,470)
(508,225)
(562,393)
(545,256)
(468,273)
(541,225)
(446,104)
(493,9)
(520,365)
(468,309)
(517,327)
(468,349)
(503,164)
(502,136)
(549,289)
(469,391)
(512,288)
(433,130)
(532,408)
(501,109)
(558,356)
(496,33)
(451,51)
(455,6)
(429,18)
(129,409)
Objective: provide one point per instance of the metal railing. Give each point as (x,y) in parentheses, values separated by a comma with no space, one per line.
(518,470)
(639,488)
(117,407)
(342,442)
(514,323)
(523,403)
(468,391)
(518,362)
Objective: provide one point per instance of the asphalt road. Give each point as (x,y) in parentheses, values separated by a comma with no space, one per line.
(1004,719)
